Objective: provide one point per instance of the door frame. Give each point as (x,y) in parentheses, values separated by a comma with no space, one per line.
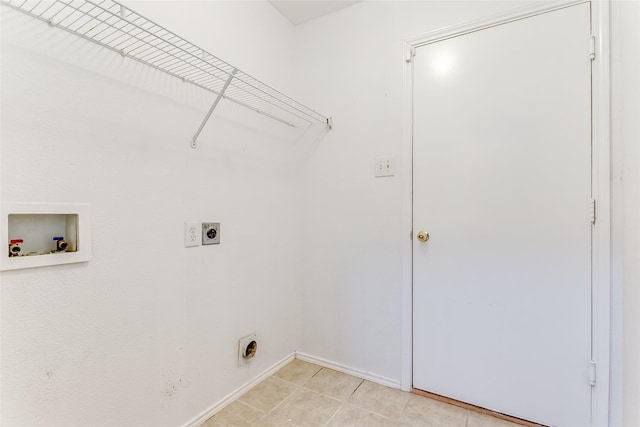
(601,191)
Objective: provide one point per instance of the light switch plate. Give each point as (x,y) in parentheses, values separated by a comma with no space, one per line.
(384,166)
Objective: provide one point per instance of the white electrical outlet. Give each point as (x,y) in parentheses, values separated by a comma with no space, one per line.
(384,166)
(192,234)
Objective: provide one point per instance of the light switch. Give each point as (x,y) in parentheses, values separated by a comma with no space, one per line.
(384,166)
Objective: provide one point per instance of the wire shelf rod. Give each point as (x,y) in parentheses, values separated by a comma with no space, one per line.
(213,107)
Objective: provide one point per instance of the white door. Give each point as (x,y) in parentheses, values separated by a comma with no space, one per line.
(502,184)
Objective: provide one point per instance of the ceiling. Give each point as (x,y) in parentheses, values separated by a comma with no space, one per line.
(299,11)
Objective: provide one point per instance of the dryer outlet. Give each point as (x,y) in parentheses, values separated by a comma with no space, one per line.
(210,233)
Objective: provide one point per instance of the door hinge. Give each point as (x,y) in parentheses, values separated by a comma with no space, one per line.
(592,373)
(592,48)
(411,235)
(592,209)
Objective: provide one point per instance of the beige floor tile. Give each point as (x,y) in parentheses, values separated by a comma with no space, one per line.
(306,408)
(268,394)
(382,400)
(334,383)
(480,420)
(424,412)
(236,414)
(297,371)
(350,416)
(328,396)
(273,420)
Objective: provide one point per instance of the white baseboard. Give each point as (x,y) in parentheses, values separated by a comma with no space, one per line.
(348,370)
(208,413)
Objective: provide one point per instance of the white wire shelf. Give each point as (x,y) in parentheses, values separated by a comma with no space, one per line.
(118,28)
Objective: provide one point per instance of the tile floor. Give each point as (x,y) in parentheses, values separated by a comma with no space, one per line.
(306,395)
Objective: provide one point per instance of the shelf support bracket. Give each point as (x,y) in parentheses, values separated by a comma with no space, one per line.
(213,107)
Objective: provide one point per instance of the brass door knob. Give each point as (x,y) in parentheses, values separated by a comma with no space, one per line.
(422,236)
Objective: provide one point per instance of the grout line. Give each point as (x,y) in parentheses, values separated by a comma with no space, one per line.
(346,399)
(372,412)
(334,415)
(323,394)
(394,419)
(245,403)
(285,399)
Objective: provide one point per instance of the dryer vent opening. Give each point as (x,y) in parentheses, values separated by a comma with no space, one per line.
(247,348)
(250,351)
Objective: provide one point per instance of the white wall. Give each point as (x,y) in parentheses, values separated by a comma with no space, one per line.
(353,223)
(625,133)
(353,227)
(146,332)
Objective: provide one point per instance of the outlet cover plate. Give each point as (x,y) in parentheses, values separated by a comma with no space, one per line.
(191,234)
(210,233)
